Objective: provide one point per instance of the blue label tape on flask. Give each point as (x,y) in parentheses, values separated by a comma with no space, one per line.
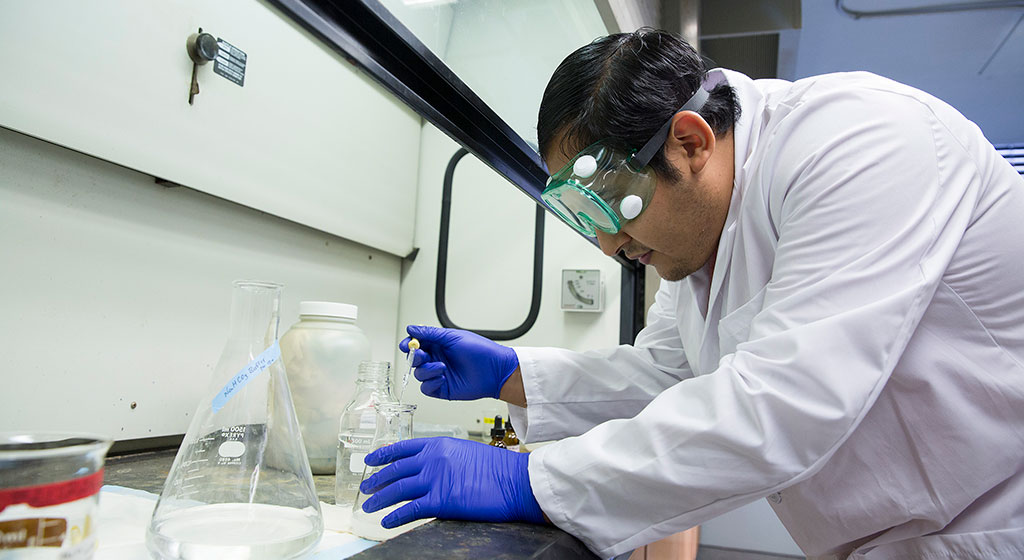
(246,374)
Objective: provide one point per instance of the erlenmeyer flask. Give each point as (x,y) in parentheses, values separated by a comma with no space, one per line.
(394,424)
(241,486)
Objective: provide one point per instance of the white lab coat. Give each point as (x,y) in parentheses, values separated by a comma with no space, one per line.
(857,357)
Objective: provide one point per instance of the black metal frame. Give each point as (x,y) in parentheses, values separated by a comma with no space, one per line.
(441,283)
(370,37)
(631,306)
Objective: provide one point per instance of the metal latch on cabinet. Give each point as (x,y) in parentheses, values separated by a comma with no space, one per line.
(202,48)
(228,60)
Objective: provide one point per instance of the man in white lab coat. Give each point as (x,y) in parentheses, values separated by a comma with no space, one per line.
(840,325)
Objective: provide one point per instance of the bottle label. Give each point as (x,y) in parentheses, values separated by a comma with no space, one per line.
(356,464)
(368,420)
(246,374)
(54,493)
(52,520)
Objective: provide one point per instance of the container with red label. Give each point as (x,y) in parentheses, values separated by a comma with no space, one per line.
(49,493)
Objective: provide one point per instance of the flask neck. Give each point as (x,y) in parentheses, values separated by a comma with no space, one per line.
(381,386)
(374,375)
(255,312)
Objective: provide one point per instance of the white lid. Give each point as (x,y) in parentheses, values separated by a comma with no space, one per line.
(328,309)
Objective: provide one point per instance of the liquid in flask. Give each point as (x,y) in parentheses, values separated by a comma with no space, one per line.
(241,486)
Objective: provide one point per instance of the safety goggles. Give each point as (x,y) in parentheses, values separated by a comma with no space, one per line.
(603,188)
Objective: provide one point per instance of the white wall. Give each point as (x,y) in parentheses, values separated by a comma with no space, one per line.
(117,290)
(307,138)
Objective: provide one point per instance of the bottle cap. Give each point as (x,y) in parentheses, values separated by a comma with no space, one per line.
(328,309)
(498,430)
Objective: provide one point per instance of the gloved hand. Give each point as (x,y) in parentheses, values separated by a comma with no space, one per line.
(450,478)
(458,365)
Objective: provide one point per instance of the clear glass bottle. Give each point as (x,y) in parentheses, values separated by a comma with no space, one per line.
(240,486)
(358,426)
(321,354)
(394,424)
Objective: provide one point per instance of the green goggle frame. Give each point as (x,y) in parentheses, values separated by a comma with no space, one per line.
(603,188)
(599,190)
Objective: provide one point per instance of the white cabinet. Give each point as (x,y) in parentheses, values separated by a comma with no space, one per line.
(308,138)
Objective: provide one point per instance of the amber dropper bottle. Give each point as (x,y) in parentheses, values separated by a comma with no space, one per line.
(511,440)
(497,433)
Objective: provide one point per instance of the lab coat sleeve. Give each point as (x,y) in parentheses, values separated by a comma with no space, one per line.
(567,392)
(869,196)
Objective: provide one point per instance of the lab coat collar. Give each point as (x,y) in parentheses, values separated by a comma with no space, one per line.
(744,141)
(745,130)
(745,137)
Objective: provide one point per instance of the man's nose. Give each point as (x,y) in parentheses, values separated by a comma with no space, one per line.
(611,243)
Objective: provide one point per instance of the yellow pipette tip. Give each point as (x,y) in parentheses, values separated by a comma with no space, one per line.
(413,344)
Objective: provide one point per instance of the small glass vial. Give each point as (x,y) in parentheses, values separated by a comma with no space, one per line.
(511,440)
(497,433)
(358,426)
(394,424)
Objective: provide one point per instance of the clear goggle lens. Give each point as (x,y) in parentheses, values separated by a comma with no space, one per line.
(581,209)
(589,192)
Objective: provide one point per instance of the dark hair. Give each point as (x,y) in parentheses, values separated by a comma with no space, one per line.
(623,88)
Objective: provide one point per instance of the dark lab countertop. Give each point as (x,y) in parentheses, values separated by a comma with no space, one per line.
(437,539)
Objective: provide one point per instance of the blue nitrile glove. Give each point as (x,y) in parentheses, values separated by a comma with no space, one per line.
(459,365)
(450,478)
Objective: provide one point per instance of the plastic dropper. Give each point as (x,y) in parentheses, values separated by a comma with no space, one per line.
(413,346)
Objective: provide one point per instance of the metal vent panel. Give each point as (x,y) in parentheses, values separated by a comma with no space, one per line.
(755,55)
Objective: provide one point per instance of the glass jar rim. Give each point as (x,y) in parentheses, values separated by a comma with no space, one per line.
(396,407)
(40,445)
(257,284)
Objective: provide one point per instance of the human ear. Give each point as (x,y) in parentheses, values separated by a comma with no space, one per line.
(690,141)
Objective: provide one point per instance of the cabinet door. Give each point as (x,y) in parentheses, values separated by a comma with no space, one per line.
(307,137)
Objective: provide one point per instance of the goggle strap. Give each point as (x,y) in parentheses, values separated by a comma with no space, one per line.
(694,103)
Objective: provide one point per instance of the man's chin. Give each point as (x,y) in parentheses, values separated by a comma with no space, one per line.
(672,272)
